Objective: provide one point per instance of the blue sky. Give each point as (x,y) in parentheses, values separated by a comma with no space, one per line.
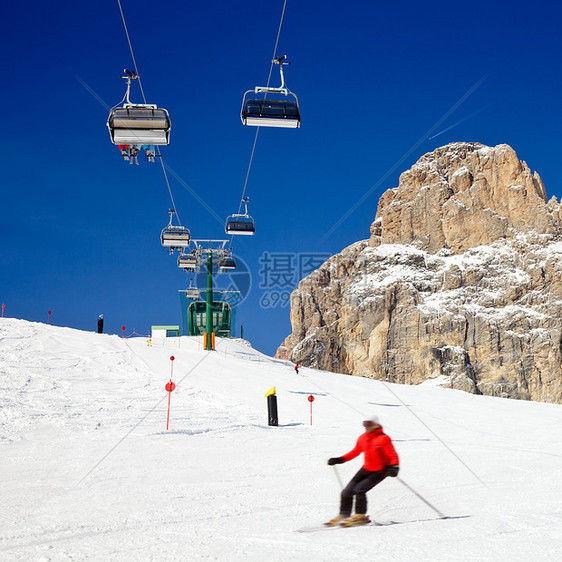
(80,228)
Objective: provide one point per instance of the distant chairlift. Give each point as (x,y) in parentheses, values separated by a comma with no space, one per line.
(187,262)
(135,126)
(175,237)
(192,292)
(271,113)
(240,224)
(227,263)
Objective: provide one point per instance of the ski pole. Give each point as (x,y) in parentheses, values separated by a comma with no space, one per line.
(338,476)
(421,498)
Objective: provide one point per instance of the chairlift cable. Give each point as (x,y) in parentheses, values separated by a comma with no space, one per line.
(131,49)
(258,129)
(268,82)
(248,171)
(144,99)
(276,43)
(167,183)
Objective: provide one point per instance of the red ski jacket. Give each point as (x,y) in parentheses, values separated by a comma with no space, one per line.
(378,449)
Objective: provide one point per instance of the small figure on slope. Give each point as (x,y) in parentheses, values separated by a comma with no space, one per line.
(381,460)
(297,368)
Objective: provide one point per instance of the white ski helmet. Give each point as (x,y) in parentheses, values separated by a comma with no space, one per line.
(373,419)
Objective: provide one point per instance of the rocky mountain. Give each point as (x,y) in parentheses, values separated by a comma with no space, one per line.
(460,278)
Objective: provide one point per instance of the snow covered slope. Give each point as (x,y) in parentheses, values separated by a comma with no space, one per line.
(89,472)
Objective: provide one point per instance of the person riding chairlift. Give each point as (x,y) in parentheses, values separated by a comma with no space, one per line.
(124,148)
(149,151)
(130,153)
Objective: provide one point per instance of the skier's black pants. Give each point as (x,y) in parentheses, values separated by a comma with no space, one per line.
(358,486)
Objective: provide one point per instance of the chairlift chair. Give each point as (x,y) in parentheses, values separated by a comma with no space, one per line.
(175,237)
(187,262)
(137,123)
(227,263)
(192,293)
(271,112)
(240,224)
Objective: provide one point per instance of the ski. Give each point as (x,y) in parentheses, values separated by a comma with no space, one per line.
(356,521)
(373,523)
(315,528)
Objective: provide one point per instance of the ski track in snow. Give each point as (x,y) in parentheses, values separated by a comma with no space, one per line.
(89,471)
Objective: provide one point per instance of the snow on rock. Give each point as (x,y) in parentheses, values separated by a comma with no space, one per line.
(464,254)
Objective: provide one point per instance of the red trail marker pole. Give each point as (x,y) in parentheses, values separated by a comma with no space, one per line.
(49,317)
(3,310)
(311,400)
(170,388)
(123,330)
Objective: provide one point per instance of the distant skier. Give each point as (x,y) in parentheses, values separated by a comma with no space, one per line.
(381,460)
(100,324)
(297,368)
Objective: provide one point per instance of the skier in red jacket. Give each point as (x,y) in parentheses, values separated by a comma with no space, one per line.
(381,460)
